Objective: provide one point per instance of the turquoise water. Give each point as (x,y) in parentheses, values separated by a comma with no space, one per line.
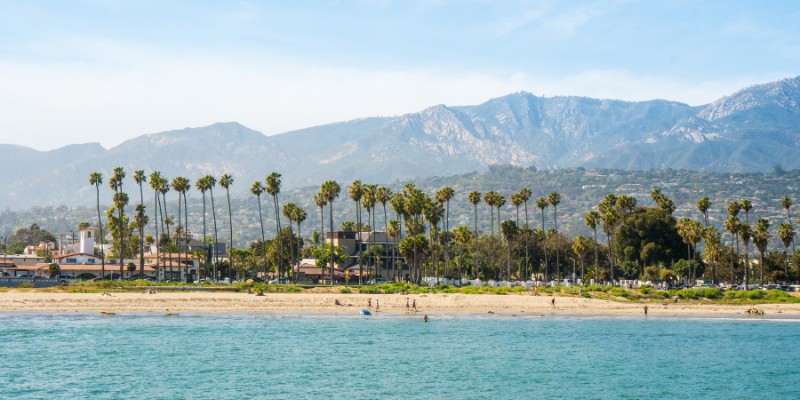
(277,356)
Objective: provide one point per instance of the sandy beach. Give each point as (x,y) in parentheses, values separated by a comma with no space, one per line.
(174,302)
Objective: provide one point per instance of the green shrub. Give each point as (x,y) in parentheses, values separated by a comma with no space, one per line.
(345,290)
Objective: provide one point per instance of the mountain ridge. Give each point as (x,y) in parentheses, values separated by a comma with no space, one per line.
(750,130)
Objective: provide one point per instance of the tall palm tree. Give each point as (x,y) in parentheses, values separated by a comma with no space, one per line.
(140,220)
(155,181)
(703,205)
(321,202)
(746,233)
(509,230)
(489,198)
(298,216)
(163,188)
(732,226)
(786,235)
(555,199)
(96,179)
(474,198)
(289,212)
(761,240)
(181,185)
(592,220)
(747,205)
(444,195)
(786,203)
(542,204)
(226,181)
(356,192)
(516,201)
(383,194)
(393,232)
(273,187)
(120,199)
(368,202)
(525,195)
(211,181)
(257,189)
(610,217)
(139,177)
(499,201)
(713,243)
(579,247)
(330,190)
(463,237)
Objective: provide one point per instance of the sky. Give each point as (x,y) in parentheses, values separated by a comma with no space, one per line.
(108,71)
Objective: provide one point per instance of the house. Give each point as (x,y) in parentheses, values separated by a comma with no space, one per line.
(354,243)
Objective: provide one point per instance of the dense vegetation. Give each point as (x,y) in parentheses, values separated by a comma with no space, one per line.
(652,222)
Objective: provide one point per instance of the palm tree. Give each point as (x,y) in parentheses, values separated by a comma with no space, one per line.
(330,190)
(211,182)
(462,236)
(120,199)
(579,247)
(433,213)
(444,195)
(510,230)
(732,226)
(393,231)
(786,235)
(140,220)
(786,203)
(525,195)
(382,195)
(703,205)
(181,185)
(746,233)
(747,205)
(542,204)
(155,182)
(761,239)
(299,216)
(713,242)
(257,189)
(163,188)
(610,219)
(592,220)
(368,202)
(516,201)
(489,198)
(226,181)
(289,212)
(356,192)
(273,187)
(202,184)
(139,177)
(321,202)
(474,198)
(554,199)
(96,179)
(499,201)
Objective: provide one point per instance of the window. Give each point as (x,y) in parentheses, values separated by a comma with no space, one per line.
(91,260)
(72,260)
(89,234)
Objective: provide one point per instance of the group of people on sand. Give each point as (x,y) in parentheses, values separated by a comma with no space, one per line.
(754,311)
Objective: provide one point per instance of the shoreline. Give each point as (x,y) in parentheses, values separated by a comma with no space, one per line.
(14,301)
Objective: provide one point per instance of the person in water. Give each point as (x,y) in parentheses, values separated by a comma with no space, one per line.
(425,318)
(645,310)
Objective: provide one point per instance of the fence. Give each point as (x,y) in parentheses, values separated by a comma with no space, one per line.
(31,282)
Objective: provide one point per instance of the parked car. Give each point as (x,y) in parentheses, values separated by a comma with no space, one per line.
(377,281)
(279,281)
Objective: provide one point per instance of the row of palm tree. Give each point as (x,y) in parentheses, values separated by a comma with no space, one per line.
(413,208)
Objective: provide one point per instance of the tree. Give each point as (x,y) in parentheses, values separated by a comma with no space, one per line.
(257,189)
(155,184)
(273,187)
(732,226)
(330,190)
(747,205)
(462,236)
(510,231)
(713,242)
(554,199)
(53,270)
(499,201)
(647,235)
(356,192)
(525,195)
(786,235)
(474,198)
(761,240)
(139,177)
(579,246)
(181,185)
(203,184)
(703,205)
(746,233)
(383,194)
(489,198)
(96,179)
(393,232)
(786,203)
(321,202)
(211,182)
(592,220)
(226,181)
(444,195)
(120,201)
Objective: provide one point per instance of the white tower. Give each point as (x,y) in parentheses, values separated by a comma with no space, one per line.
(87,240)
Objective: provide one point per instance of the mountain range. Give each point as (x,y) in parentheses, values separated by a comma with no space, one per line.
(751,130)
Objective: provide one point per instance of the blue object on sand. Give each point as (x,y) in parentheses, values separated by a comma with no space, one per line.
(364,311)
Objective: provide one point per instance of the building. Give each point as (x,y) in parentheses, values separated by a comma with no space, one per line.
(354,243)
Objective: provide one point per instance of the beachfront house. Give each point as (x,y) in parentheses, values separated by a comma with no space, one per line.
(355,243)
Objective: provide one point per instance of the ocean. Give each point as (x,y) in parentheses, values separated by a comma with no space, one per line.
(466,356)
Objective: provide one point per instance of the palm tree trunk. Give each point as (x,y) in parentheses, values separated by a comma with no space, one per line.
(330,225)
(230,225)
(263,238)
(216,240)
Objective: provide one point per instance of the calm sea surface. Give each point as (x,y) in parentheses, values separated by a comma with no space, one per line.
(282,356)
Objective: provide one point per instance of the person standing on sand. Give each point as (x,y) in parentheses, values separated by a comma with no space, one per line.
(553,303)
(645,310)
(377,305)
(407,306)
(369,303)
(414,304)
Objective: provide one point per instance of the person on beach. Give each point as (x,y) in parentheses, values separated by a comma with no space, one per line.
(675,299)
(645,310)
(553,303)
(408,307)
(369,303)
(414,304)
(377,305)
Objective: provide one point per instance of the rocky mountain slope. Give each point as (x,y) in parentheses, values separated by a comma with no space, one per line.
(750,130)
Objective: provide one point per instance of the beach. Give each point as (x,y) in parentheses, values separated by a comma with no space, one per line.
(190,301)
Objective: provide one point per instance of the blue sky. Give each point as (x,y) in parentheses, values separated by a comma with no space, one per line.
(107,71)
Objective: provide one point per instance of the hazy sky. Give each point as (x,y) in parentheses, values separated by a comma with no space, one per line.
(107,71)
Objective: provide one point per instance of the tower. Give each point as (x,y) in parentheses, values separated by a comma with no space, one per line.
(87,240)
